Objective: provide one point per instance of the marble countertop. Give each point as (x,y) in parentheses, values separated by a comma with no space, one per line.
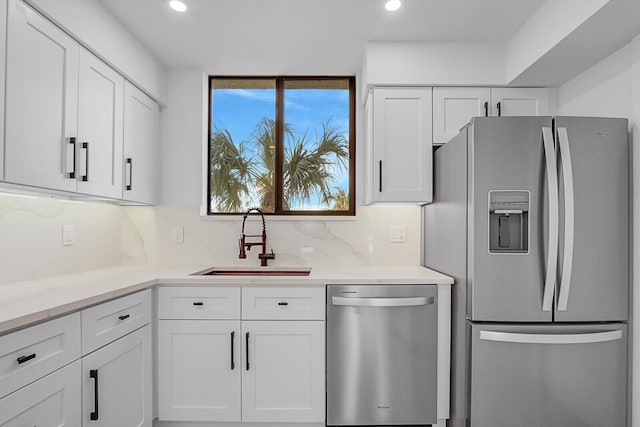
(27,302)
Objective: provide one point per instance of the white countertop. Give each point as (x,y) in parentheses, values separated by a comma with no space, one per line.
(27,302)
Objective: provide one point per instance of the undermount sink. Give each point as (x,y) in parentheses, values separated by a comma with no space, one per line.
(254,271)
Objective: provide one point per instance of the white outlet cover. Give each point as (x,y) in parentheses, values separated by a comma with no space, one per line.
(398,234)
(68,235)
(178,235)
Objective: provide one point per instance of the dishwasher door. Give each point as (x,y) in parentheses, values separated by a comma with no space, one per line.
(381,355)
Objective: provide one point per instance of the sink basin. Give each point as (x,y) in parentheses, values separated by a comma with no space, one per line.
(254,271)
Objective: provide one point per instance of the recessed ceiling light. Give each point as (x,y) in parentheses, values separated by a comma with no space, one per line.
(393,5)
(178,5)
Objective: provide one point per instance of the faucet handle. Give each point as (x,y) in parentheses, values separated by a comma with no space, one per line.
(242,254)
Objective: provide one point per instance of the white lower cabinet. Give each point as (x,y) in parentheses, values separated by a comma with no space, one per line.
(283,371)
(199,370)
(117,384)
(219,369)
(52,401)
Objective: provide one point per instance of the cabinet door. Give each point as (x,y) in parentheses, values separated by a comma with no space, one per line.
(402,145)
(519,102)
(116,383)
(140,145)
(100,128)
(41,101)
(454,107)
(199,370)
(52,401)
(283,371)
(3,57)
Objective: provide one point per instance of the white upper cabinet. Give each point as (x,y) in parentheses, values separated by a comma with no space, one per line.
(140,145)
(519,102)
(453,107)
(41,101)
(100,128)
(400,137)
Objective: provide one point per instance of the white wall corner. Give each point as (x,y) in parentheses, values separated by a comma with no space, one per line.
(547,27)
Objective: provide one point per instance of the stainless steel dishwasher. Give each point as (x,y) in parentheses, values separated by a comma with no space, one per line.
(381,355)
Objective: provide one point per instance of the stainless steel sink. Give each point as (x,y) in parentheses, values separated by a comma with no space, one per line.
(254,271)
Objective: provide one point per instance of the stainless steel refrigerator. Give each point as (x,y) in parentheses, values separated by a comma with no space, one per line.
(531,218)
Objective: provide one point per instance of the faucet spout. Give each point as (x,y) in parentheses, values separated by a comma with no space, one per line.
(246,246)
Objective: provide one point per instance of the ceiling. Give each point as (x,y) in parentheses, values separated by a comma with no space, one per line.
(305,36)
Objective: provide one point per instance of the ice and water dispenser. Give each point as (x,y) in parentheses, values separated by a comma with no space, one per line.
(508,222)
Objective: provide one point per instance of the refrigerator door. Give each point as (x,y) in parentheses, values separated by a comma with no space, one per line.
(508,219)
(593,278)
(549,375)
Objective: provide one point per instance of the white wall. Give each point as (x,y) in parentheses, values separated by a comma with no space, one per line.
(612,88)
(90,22)
(602,90)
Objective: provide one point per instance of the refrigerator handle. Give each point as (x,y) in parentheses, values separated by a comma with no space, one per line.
(569,220)
(525,338)
(552,182)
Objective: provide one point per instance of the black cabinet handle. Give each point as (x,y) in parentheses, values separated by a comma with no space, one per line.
(486,109)
(124,317)
(247,349)
(233,357)
(93,374)
(380,183)
(130,165)
(283,303)
(23,359)
(72,141)
(85,146)
(499,105)
(198,304)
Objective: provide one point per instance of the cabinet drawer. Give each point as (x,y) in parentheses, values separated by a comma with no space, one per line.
(199,303)
(283,303)
(50,401)
(109,321)
(34,352)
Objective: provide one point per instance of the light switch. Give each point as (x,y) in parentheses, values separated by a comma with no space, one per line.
(68,235)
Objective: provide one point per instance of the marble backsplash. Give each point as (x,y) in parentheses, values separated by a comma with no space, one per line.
(208,241)
(31,236)
(108,235)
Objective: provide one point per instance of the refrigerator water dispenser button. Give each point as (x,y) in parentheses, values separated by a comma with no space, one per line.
(508,222)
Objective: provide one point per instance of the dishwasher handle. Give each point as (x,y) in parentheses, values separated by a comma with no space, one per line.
(382,302)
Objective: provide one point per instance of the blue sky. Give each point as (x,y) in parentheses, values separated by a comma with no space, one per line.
(238,110)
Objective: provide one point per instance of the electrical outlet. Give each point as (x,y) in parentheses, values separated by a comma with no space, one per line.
(68,235)
(398,234)
(178,235)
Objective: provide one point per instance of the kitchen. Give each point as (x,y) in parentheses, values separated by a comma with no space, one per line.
(602,81)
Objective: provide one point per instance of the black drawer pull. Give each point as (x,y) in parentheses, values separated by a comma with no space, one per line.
(233,357)
(93,374)
(198,304)
(124,317)
(283,303)
(23,359)
(247,349)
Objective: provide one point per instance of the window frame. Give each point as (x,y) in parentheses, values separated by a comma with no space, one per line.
(279,155)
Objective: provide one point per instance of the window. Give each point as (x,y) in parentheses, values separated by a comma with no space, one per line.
(283,144)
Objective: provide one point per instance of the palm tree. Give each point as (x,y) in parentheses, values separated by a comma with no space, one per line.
(231,171)
(340,200)
(308,170)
